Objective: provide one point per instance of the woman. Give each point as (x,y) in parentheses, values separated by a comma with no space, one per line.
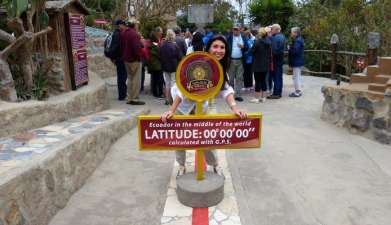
(155,67)
(218,47)
(170,55)
(260,66)
(197,42)
(296,60)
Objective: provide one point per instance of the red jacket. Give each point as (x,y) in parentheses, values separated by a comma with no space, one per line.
(130,44)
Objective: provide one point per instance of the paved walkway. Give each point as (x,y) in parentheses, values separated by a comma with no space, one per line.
(307,172)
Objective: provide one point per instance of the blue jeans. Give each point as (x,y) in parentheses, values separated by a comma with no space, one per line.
(277,80)
(121,79)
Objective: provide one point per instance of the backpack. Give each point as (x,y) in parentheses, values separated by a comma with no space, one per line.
(111,50)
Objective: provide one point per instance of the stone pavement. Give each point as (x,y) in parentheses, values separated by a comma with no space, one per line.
(307,172)
(225,213)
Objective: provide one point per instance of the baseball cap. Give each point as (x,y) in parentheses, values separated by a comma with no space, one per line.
(236,26)
(118,22)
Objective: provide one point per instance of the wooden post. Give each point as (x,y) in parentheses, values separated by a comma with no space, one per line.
(373,45)
(320,61)
(334,42)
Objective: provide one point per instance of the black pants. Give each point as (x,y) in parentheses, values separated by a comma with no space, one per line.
(157,82)
(142,76)
(121,79)
(248,75)
(260,81)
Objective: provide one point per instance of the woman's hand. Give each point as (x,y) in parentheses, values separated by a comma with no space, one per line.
(166,115)
(239,113)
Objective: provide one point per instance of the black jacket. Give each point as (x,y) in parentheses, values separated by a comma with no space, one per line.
(181,43)
(261,55)
(170,55)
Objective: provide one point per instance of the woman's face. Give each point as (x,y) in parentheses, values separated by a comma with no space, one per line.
(217,49)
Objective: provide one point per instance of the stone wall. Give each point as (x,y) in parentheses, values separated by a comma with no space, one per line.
(97,62)
(33,193)
(359,112)
(18,117)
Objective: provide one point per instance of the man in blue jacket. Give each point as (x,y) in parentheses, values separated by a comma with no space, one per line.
(296,60)
(278,47)
(238,46)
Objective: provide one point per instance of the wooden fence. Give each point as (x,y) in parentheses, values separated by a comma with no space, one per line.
(332,64)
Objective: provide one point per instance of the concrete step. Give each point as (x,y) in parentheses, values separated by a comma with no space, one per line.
(385,65)
(359,78)
(42,168)
(382,79)
(377,87)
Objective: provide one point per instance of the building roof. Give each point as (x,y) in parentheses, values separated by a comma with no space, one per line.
(58,6)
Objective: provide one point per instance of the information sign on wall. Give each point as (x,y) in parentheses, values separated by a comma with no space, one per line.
(79,52)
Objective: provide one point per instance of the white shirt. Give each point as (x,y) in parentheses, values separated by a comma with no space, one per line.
(187,105)
(236,51)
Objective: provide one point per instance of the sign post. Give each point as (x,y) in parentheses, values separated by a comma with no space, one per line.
(200,153)
(199,77)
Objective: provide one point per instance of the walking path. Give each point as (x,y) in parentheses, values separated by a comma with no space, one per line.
(307,172)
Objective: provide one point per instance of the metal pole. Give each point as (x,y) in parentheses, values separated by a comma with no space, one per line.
(200,153)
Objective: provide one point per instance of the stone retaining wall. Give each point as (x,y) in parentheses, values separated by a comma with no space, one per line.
(359,112)
(97,61)
(35,192)
(18,117)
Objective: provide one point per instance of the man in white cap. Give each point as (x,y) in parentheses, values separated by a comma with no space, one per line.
(238,46)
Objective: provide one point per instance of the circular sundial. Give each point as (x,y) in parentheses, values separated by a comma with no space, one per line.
(199,76)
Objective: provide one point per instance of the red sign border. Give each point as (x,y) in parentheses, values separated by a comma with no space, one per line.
(190,117)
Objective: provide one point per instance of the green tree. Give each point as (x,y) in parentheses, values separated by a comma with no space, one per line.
(351,21)
(26,32)
(267,12)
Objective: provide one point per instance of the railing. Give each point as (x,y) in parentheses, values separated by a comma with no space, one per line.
(344,62)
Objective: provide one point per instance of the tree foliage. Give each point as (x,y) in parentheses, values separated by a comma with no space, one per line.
(351,20)
(266,12)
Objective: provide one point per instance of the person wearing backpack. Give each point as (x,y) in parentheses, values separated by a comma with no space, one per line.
(131,55)
(113,52)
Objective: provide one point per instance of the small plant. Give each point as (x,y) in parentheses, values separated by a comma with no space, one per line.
(40,85)
(40,90)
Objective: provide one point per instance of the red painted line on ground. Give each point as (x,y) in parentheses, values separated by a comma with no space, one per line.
(200,216)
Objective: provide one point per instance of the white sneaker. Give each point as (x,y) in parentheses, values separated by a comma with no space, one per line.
(262,99)
(218,170)
(255,100)
(181,171)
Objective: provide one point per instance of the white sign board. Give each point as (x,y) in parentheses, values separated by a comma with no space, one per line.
(200,13)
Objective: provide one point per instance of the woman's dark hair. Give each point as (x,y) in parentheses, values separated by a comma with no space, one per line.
(226,60)
(153,37)
(197,42)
